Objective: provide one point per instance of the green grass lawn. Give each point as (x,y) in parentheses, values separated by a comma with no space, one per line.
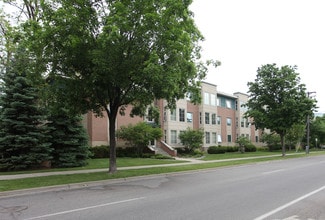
(241,155)
(104,163)
(7,185)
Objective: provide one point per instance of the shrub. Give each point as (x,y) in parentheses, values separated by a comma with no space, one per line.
(232,149)
(183,151)
(198,153)
(101,151)
(216,150)
(126,152)
(250,148)
(160,156)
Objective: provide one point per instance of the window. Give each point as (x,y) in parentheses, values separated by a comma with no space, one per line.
(173,137)
(229,138)
(180,132)
(219,138)
(256,139)
(181,114)
(206,98)
(213,99)
(246,123)
(165,136)
(229,121)
(214,137)
(243,107)
(218,102)
(189,117)
(200,117)
(188,96)
(228,103)
(150,115)
(207,137)
(207,118)
(213,119)
(172,115)
(165,115)
(242,122)
(219,120)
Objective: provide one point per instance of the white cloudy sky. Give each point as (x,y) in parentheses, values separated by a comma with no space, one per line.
(245,34)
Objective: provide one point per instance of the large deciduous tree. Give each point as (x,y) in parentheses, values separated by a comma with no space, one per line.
(277,100)
(105,55)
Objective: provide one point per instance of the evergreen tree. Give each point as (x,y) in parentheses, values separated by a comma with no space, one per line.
(69,139)
(22,138)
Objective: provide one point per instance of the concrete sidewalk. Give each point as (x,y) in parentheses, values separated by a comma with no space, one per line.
(187,161)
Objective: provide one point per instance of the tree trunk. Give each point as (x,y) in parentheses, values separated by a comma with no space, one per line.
(283,145)
(112,114)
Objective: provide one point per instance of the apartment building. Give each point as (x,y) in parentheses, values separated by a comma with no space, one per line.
(220,116)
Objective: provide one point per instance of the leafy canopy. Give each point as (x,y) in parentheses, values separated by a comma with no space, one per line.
(277,100)
(192,139)
(139,135)
(105,55)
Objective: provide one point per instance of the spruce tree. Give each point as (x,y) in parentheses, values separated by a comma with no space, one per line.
(69,139)
(23,143)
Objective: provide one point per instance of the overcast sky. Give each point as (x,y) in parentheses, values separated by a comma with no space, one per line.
(245,34)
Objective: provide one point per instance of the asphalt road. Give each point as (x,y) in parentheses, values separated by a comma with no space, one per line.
(288,190)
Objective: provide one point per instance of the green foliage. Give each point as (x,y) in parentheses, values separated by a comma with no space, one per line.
(192,139)
(278,100)
(272,140)
(243,143)
(69,139)
(23,143)
(317,130)
(250,148)
(139,135)
(104,55)
(216,150)
(101,151)
(295,135)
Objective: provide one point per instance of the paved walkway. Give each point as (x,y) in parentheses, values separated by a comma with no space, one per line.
(187,161)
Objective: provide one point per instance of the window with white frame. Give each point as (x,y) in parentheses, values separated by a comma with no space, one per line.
(181,114)
(172,115)
(213,119)
(246,123)
(189,117)
(229,121)
(213,99)
(229,138)
(219,138)
(213,137)
(206,98)
(207,137)
(228,103)
(165,136)
(218,102)
(219,120)
(207,118)
(165,115)
(173,137)
(178,139)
